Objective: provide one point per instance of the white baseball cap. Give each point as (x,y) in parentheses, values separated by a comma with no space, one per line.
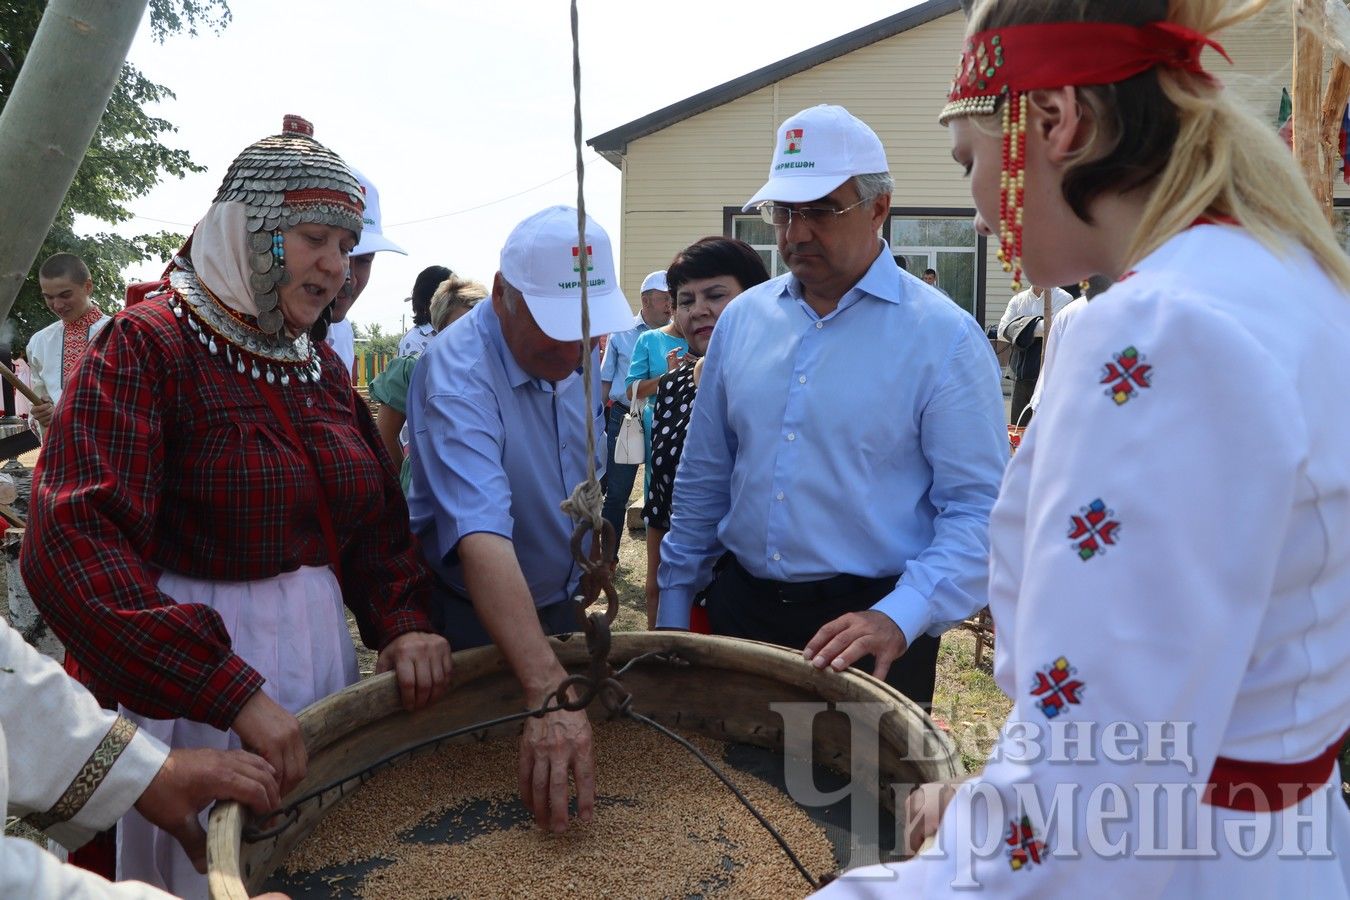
(541,260)
(655,282)
(819,149)
(372,238)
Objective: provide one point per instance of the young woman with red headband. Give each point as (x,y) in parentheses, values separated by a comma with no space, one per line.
(1170,560)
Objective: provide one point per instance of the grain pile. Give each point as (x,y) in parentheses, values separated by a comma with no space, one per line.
(664,827)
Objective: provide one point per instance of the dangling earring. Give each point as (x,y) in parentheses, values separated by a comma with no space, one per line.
(1012,186)
(279,248)
(319,330)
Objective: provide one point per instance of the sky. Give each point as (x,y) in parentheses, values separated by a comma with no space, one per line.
(459,111)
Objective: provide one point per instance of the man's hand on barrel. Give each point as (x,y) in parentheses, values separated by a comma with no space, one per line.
(551,748)
(422,664)
(191,780)
(274,734)
(843,641)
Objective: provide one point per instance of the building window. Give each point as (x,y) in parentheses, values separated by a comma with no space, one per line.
(948,245)
(759,234)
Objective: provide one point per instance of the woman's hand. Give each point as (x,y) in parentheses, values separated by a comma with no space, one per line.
(676,358)
(265,728)
(924,808)
(422,664)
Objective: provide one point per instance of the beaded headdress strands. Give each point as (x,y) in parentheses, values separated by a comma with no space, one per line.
(1001,65)
(284,180)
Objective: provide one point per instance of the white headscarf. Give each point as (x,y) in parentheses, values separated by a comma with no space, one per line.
(220,256)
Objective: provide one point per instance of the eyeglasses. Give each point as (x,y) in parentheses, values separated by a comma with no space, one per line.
(782,216)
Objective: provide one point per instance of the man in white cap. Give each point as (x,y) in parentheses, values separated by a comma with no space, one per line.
(340,335)
(619,477)
(848,439)
(497,410)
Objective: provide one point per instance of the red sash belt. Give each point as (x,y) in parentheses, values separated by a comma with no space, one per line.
(1268,786)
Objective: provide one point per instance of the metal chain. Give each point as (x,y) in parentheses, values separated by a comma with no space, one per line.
(601,683)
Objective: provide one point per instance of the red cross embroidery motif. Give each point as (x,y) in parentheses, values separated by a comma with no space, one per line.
(1057,688)
(1026,850)
(1094,530)
(1126,376)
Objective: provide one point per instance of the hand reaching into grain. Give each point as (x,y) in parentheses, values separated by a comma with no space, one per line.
(551,749)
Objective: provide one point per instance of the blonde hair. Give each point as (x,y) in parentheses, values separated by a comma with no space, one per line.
(1213,157)
(454,293)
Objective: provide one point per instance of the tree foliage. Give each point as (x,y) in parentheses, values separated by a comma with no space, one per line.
(375,340)
(125,160)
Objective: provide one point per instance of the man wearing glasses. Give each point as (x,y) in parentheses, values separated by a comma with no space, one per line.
(848,440)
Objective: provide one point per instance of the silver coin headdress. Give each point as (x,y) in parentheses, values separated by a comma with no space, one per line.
(284,180)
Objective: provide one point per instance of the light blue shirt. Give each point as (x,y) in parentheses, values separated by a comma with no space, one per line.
(496,450)
(869,442)
(618,354)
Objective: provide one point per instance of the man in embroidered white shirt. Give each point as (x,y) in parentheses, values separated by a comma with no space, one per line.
(54,351)
(71,769)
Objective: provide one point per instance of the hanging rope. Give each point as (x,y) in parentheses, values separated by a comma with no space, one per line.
(586,504)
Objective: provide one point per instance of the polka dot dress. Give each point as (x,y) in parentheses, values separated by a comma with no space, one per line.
(670,421)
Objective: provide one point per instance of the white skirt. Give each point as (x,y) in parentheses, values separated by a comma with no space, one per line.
(292,630)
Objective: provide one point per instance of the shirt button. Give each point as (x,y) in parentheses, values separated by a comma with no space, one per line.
(309,402)
(777,557)
(820,325)
(801,379)
(779,495)
(792,435)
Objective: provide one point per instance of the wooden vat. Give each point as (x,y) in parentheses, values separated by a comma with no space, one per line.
(717,687)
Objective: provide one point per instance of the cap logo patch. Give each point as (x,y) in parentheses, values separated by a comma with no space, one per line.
(576,259)
(792,140)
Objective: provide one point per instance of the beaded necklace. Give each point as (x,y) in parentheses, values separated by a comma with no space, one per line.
(275,358)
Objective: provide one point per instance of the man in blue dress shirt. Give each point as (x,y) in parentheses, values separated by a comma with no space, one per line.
(498,416)
(619,477)
(847,442)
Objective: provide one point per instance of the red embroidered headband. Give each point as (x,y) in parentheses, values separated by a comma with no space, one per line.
(1005,63)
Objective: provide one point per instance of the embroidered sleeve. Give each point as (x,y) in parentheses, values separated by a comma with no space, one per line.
(87,780)
(1147,554)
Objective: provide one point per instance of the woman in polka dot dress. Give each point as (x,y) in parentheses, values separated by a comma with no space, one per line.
(703,279)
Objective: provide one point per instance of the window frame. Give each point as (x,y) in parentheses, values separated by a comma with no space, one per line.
(916,212)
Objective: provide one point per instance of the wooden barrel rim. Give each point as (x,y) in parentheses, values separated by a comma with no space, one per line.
(327,722)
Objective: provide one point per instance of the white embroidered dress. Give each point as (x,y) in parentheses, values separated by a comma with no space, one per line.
(1171,545)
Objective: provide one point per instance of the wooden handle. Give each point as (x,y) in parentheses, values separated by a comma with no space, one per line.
(8,374)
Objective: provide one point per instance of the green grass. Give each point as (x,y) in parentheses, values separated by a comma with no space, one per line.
(966,699)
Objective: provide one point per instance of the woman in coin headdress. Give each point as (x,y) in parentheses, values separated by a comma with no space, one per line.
(1170,573)
(214,491)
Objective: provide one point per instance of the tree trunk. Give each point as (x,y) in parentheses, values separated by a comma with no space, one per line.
(1309,25)
(1333,108)
(50,118)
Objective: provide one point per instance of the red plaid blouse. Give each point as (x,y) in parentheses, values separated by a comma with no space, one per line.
(156,462)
